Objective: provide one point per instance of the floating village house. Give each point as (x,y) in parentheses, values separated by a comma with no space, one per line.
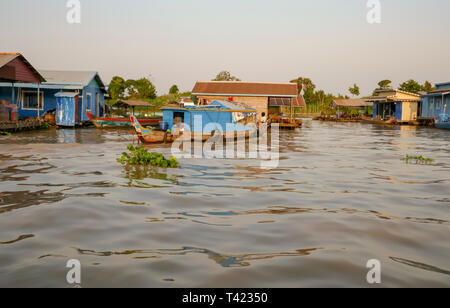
(389,103)
(436,102)
(351,103)
(221,115)
(268,98)
(65,92)
(14,68)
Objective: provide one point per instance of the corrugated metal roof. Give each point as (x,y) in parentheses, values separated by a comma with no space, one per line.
(439,91)
(287,101)
(68,77)
(132,103)
(231,106)
(299,101)
(236,88)
(354,102)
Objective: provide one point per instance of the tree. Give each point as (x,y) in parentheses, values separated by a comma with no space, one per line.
(411,86)
(384,84)
(225,76)
(304,84)
(174,89)
(117,87)
(145,88)
(355,90)
(141,88)
(427,87)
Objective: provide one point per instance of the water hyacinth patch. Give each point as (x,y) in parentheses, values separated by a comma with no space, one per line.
(142,157)
(418,159)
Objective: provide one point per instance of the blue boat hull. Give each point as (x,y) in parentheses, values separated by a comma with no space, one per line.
(443,125)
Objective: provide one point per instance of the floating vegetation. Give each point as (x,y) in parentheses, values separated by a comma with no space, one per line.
(142,157)
(417,159)
(5,134)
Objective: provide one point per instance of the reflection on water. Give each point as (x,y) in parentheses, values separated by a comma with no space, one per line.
(421,266)
(220,259)
(20,199)
(340,187)
(20,238)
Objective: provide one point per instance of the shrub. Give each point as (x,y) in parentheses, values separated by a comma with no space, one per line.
(418,159)
(140,156)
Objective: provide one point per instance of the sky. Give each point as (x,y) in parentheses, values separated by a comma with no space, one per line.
(184,41)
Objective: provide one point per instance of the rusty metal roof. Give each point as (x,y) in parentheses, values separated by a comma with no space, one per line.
(238,88)
(132,103)
(354,102)
(297,101)
(7,57)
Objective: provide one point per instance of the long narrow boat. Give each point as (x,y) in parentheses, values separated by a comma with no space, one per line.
(442,122)
(121,122)
(147,135)
(377,121)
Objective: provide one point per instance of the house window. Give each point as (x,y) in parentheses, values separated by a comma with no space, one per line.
(30,100)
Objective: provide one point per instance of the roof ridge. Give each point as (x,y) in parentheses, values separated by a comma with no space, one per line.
(238,82)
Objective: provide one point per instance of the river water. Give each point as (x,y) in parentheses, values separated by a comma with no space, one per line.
(340,197)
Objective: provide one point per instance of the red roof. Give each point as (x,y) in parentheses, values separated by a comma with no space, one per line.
(236,88)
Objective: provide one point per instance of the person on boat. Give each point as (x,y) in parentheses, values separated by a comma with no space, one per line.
(178,127)
(263,118)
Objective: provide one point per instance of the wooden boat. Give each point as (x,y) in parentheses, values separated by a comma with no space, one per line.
(121,122)
(148,135)
(442,122)
(377,121)
(286,123)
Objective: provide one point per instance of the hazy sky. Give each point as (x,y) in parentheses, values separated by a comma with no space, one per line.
(182,41)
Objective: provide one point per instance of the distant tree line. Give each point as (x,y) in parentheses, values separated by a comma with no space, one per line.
(144,89)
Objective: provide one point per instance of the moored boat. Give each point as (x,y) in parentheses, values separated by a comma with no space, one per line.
(378,121)
(442,121)
(148,135)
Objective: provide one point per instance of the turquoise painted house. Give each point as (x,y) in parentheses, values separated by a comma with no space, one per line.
(436,102)
(88,87)
(218,115)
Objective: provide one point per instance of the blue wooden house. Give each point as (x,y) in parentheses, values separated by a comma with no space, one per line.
(436,102)
(219,115)
(35,99)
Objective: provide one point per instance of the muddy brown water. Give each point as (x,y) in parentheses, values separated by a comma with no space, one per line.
(340,196)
